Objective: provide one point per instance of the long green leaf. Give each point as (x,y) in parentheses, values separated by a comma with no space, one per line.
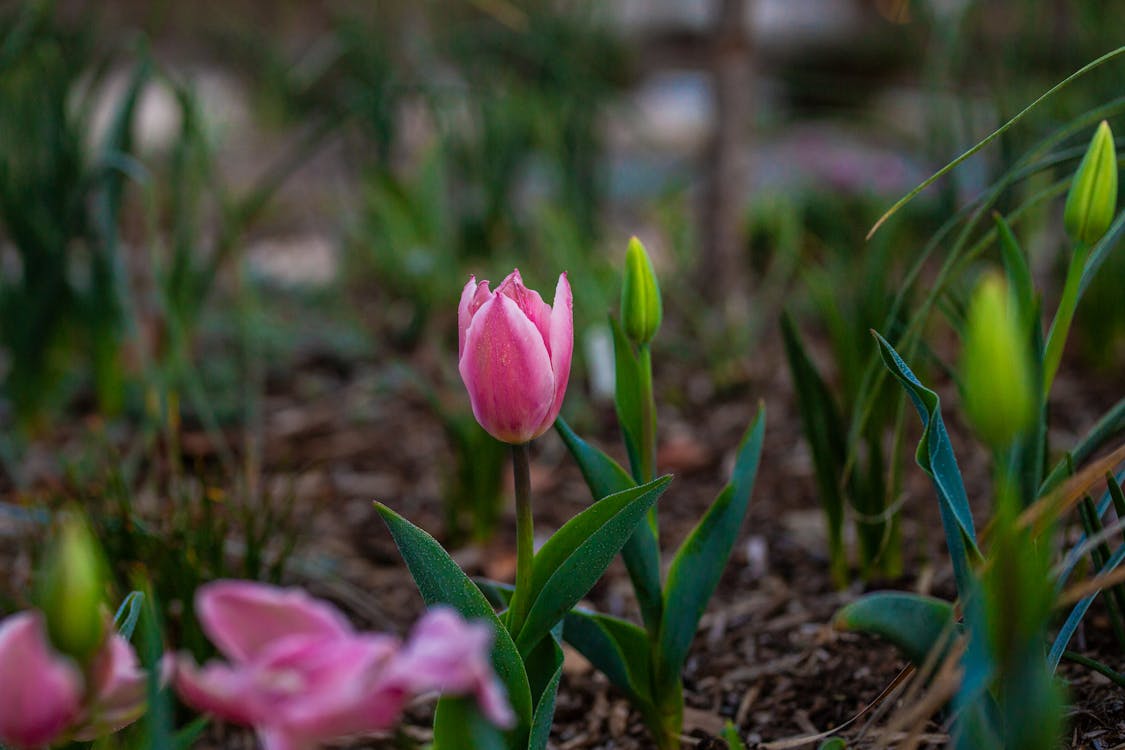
(912,622)
(617,648)
(1074,619)
(993,136)
(128,613)
(441,581)
(574,558)
(641,553)
(824,430)
(458,724)
(1111,424)
(699,563)
(545,708)
(935,456)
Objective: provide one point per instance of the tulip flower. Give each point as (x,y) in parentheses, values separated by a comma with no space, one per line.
(301,675)
(44,697)
(514,355)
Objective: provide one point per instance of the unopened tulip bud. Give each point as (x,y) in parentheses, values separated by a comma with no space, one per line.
(996,374)
(641,308)
(1092,199)
(72,590)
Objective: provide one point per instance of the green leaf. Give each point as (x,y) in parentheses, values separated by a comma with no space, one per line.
(935,456)
(1015,266)
(824,430)
(459,724)
(699,563)
(187,735)
(125,621)
(617,648)
(1074,619)
(912,622)
(730,736)
(441,581)
(833,743)
(574,558)
(627,394)
(641,553)
(545,708)
(1111,424)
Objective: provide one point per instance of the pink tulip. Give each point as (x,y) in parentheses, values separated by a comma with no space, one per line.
(301,675)
(118,690)
(40,690)
(514,355)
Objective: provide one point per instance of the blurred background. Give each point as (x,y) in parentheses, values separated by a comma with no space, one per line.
(233,234)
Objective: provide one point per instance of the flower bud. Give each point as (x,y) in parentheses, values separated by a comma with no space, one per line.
(999,394)
(641,309)
(72,589)
(1092,199)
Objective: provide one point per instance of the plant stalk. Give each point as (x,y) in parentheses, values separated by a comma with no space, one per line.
(525,537)
(1064,315)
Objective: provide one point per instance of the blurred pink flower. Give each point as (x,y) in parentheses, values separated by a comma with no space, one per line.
(44,697)
(514,355)
(300,675)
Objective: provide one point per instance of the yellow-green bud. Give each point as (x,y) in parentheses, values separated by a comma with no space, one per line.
(999,394)
(1092,199)
(72,590)
(641,309)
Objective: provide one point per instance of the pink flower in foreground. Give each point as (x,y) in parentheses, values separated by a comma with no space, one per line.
(44,697)
(300,675)
(514,354)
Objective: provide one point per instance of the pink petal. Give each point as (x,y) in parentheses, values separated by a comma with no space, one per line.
(228,692)
(562,345)
(530,303)
(343,691)
(119,690)
(507,372)
(40,691)
(243,617)
(451,655)
(472,297)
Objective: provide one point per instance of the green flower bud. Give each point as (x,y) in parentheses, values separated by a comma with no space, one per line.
(72,591)
(999,394)
(1092,199)
(641,309)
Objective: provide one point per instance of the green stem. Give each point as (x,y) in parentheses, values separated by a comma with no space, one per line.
(1060,326)
(648,416)
(525,538)
(1116,677)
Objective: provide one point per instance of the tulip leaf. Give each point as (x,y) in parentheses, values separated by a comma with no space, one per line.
(641,553)
(627,394)
(1111,424)
(617,648)
(912,622)
(458,724)
(1015,266)
(574,558)
(441,581)
(935,456)
(824,430)
(1074,619)
(699,563)
(128,613)
(545,708)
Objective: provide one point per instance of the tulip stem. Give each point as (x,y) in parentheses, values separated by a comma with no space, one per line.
(1060,326)
(525,537)
(648,417)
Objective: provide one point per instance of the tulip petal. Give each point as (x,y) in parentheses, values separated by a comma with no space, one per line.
(40,691)
(507,371)
(449,654)
(343,688)
(243,617)
(472,297)
(562,344)
(119,691)
(530,303)
(225,691)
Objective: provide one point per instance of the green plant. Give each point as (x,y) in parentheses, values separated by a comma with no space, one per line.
(1008,589)
(646,662)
